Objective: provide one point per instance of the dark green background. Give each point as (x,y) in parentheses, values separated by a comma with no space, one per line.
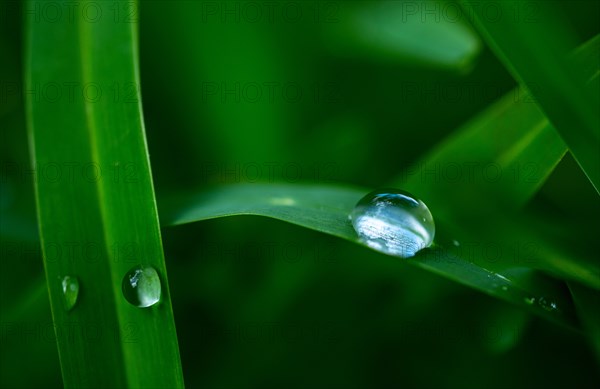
(259,303)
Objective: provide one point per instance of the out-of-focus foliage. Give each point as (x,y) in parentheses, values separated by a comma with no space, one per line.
(359,93)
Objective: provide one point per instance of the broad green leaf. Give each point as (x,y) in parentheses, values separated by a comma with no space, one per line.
(412,32)
(326,209)
(536,52)
(96,208)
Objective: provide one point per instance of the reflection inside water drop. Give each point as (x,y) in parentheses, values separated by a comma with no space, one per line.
(394,222)
(141,286)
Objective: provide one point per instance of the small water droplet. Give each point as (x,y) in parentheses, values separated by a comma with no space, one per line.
(455,243)
(70,290)
(141,286)
(547,305)
(394,222)
(504,287)
(529,300)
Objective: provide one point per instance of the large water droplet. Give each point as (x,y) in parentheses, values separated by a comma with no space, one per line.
(70,289)
(394,222)
(141,286)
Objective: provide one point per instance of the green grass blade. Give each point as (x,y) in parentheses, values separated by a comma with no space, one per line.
(536,52)
(399,31)
(503,156)
(98,218)
(326,209)
(496,163)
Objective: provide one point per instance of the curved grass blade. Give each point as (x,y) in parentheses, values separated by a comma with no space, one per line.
(399,31)
(97,218)
(502,156)
(536,52)
(496,163)
(326,209)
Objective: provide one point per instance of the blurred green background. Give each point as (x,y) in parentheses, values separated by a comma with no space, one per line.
(310,91)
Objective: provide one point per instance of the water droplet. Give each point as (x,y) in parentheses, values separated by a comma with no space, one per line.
(504,287)
(529,300)
(502,277)
(141,286)
(394,222)
(547,305)
(455,243)
(70,289)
